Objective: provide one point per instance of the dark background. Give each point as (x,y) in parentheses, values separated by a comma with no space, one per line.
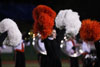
(21,12)
(86,8)
(22,9)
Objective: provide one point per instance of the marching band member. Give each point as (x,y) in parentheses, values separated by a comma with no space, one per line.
(71,48)
(90,32)
(44,18)
(49,52)
(89,55)
(9,33)
(69,20)
(19,55)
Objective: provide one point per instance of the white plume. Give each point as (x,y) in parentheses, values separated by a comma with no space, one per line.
(69,20)
(14,35)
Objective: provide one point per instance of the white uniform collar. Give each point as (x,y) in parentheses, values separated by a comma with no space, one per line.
(50,38)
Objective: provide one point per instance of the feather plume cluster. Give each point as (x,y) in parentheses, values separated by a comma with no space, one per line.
(69,20)
(14,35)
(44,20)
(90,30)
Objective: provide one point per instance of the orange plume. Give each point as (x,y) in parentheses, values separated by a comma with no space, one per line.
(44,20)
(90,30)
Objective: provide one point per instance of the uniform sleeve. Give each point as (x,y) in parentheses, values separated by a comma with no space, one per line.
(19,47)
(85,47)
(41,44)
(69,46)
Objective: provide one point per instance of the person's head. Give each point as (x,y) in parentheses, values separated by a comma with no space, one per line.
(53,34)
